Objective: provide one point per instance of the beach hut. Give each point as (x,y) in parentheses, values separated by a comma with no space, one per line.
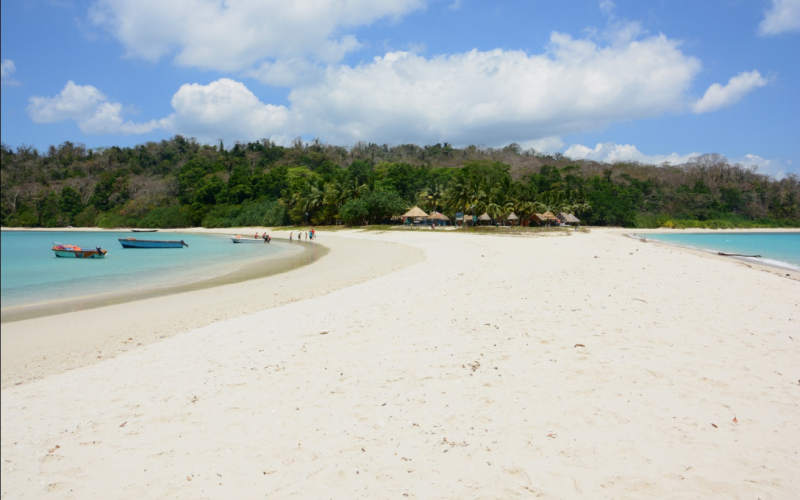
(539,218)
(512,218)
(415,213)
(566,218)
(438,217)
(545,218)
(485,218)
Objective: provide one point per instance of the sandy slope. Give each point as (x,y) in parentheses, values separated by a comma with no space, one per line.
(457,377)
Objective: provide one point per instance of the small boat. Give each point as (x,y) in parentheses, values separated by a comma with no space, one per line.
(134,243)
(241,239)
(144,230)
(76,252)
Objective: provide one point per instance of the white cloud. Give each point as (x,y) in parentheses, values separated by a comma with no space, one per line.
(239,35)
(497,96)
(544,145)
(610,152)
(7,70)
(87,106)
(717,96)
(776,168)
(224,109)
(491,98)
(607,7)
(782,17)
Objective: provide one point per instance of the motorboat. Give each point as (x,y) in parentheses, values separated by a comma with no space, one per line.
(76,252)
(134,243)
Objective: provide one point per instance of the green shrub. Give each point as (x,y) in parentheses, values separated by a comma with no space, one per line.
(166,217)
(254,213)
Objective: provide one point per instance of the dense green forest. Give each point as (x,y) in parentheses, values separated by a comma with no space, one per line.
(181,183)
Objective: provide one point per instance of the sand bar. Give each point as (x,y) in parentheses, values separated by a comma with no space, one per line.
(33,348)
(588,365)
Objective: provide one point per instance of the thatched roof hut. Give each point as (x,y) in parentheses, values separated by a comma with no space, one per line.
(438,216)
(485,217)
(568,218)
(513,216)
(549,216)
(415,212)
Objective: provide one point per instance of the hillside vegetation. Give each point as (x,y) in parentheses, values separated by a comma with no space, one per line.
(181,183)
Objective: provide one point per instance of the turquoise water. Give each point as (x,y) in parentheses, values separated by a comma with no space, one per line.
(32,274)
(780,249)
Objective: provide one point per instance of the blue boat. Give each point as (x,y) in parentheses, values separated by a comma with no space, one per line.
(134,243)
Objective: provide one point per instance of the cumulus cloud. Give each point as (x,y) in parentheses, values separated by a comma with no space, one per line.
(775,167)
(88,107)
(610,152)
(239,35)
(224,109)
(783,16)
(7,70)
(477,97)
(497,96)
(717,96)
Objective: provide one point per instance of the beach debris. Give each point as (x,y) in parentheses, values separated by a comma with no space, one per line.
(475,365)
(640,300)
(51,450)
(737,255)
(188,478)
(735,420)
(123,424)
(714,425)
(552,435)
(324,332)
(194,399)
(579,345)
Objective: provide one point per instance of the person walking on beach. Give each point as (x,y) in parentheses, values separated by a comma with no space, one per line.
(290,237)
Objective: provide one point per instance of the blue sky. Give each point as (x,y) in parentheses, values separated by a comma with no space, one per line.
(651,81)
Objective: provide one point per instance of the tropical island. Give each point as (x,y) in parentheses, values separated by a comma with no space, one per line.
(179,183)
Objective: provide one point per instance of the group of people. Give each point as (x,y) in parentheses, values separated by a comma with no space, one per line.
(309,236)
(264,236)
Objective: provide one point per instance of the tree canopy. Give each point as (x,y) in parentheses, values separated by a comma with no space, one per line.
(180,183)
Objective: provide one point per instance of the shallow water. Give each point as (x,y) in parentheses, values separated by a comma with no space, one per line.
(776,249)
(32,275)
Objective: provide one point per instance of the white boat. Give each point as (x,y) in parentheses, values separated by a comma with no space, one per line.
(241,239)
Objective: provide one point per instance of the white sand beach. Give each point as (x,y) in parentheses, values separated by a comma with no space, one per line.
(422,364)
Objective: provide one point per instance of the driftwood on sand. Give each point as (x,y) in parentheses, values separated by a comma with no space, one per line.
(737,255)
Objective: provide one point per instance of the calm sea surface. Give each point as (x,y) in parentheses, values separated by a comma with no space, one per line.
(781,249)
(32,274)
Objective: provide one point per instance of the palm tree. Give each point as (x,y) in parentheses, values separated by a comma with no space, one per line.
(314,197)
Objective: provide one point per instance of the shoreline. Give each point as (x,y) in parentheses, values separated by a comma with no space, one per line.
(778,270)
(254,268)
(33,348)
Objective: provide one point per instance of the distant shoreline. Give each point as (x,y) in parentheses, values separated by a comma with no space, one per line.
(783,271)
